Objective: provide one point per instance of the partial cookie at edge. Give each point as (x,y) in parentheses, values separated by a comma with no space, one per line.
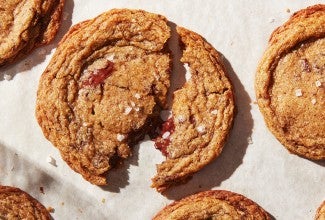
(290,83)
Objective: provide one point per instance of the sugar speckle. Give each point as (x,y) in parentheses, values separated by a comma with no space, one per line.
(120,137)
(137,109)
(137,96)
(298,92)
(318,83)
(7,77)
(214,112)
(51,161)
(188,74)
(166,135)
(201,128)
(132,104)
(313,101)
(127,110)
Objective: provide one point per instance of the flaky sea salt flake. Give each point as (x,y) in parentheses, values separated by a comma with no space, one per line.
(318,83)
(313,101)
(298,92)
(201,129)
(137,95)
(127,110)
(214,112)
(120,137)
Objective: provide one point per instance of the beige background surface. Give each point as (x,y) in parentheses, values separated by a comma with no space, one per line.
(253,162)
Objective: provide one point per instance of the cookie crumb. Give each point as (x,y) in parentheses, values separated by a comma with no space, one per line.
(127,110)
(201,128)
(165,114)
(103,200)
(313,101)
(298,92)
(288,10)
(271,20)
(120,137)
(51,161)
(50,209)
(166,135)
(318,83)
(181,118)
(62,203)
(214,112)
(7,77)
(137,96)
(188,74)
(41,189)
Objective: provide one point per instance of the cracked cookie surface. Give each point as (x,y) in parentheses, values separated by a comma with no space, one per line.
(26,24)
(213,204)
(106,82)
(17,204)
(290,83)
(202,114)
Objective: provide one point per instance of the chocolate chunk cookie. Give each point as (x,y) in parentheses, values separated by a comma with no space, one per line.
(104,86)
(17,204)
(290,83)
(320,214)
(26,24)
(214,204)
(202,114)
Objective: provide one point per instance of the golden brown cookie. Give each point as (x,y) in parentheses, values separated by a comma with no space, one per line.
(105,84)
(320,214)
(290,83)
(215,205)
(26,24)
(202,114)
(17,204)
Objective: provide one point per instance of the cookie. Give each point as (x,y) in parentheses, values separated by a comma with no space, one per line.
(26,25)
(213,204)
(290,83)
(103,89)
(320,214)
(202,114)
(17,204)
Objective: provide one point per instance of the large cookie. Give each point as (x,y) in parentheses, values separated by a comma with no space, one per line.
(202,114)
(105,84)
(16,204)
(26,24)
(320,214)
(214,204)
(290,83)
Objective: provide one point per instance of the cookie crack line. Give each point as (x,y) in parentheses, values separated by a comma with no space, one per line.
(93,126)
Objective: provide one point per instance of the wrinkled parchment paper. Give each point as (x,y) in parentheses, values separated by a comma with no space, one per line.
(253,162)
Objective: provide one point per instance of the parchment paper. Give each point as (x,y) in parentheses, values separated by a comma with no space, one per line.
(253,162)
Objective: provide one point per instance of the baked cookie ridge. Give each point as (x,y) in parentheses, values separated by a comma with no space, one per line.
(202,114)
(104,86)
